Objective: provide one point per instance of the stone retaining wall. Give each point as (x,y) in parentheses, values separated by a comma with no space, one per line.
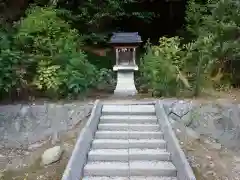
(221,121)
(21,125)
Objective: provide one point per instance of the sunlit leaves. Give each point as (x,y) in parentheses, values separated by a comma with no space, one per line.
(162,67)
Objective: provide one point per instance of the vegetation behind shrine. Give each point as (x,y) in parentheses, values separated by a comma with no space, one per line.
(47,47)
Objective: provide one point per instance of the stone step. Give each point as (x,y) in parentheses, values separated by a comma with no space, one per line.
(128,119)
(152,168)
(108,155)
(131,168)
(152,178)
(149,154)
(128,135)
(128,178)
(125,127)
(128,154)
(131,143)
(128,110)
(99,168)
(104,178)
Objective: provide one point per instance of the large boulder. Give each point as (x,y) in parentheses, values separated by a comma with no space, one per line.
(51,155)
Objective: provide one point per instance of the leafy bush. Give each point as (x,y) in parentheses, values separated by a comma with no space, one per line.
(106,79)
(13,67)
(162,66)
(11,76)
(47,77)
(44,53)
(78,75)
(54,47)
(216,29)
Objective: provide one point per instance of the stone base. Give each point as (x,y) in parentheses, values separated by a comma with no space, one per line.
(125,84)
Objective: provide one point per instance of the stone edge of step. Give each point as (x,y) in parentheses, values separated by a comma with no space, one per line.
(127,178)
(75,166)
(131,168)
(135,117)
(128,154)
(128,134)
(126,126)
(178,157)
(128,143)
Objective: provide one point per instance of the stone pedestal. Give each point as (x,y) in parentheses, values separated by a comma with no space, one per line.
(125,83)
(125,45)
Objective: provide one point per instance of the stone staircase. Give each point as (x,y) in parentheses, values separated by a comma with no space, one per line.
(129,145)
(128,142)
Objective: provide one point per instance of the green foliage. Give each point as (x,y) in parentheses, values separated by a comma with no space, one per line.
(43,50)
(52,61)
(161,67)
(47,76)
(62,67)
(12,65)
(195,14)
(215,29)
(44,53)
(11,75)
(105,79)
(215,26)
(43,32)
(78,74)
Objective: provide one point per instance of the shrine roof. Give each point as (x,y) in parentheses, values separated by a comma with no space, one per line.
(125,38)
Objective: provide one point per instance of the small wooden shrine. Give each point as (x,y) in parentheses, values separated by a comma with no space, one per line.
(125,45)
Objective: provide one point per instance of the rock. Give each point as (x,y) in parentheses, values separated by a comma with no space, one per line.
(205,115)
(187,119)
(181,108)
(174,117)
(192,134)
(167,105)
(52,155)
